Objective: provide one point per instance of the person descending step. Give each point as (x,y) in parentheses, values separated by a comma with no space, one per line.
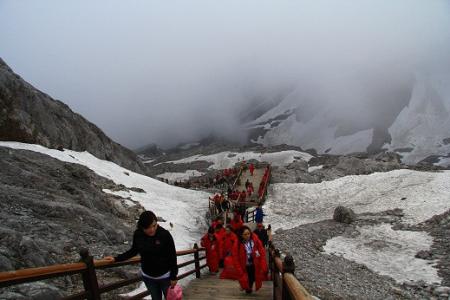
(156,247)
(210,242)
(218,198)
(261,232)
(217,220)
(229,240)
(243,196)
(259,214)
(251,168)
(236,223)
(220,232)
(250,189)
(249,257)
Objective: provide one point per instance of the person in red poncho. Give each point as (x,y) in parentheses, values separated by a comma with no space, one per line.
(211,244)
(236,223)
(220,232)
(251,169)
(229,240)
(249,259)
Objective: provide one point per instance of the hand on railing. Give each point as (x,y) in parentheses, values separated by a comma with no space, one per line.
(110,259)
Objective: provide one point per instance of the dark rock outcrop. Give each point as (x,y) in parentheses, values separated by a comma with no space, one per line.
(344,215)
(30,116)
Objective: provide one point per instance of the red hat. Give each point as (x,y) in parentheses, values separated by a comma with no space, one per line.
(259,225)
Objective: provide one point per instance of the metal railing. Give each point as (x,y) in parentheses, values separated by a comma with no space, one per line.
(285,285)
(87,268)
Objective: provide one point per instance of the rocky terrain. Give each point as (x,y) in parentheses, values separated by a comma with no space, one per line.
(330,167)
(333,277)
(31,116)
(49,211)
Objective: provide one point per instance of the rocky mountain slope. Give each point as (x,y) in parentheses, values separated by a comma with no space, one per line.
(30,116)
(49,211)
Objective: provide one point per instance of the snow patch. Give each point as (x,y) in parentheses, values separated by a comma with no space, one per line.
(423,124)
(443,162)
(388,252)
(227,159)
(178,176)
(312,169)
(427,194)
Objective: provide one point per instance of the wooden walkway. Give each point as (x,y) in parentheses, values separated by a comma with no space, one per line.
(255,179)
(210,287)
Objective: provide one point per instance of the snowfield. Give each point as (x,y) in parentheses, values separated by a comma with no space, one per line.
(227,159)
(388,252)
(178,176)
(421,195)
(427,194)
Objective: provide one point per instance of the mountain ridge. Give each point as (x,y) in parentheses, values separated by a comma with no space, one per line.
(31,116)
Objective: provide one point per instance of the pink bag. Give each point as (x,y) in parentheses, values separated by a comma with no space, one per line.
(174,293)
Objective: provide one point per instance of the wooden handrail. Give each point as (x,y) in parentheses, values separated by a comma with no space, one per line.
(87,268)
(286,287)
(295,289)
(20,276)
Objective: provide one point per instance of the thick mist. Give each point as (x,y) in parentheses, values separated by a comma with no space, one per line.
(175,71)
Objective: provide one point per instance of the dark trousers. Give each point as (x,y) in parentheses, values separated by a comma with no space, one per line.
(156,286)
(251,275)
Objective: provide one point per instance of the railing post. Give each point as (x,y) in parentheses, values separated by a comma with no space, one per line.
(89,276)
(288,267)
(197,261)
(275,273)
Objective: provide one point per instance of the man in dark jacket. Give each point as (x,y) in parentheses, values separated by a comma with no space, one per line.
(156,247)
(261,232)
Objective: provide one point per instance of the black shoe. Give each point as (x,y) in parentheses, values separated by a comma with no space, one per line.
(248,291)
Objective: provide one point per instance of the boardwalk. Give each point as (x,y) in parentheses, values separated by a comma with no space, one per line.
(210,287)
(255,179)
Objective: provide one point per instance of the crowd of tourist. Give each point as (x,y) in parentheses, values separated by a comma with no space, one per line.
(237,252)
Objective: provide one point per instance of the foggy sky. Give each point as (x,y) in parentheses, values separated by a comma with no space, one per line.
(173,71)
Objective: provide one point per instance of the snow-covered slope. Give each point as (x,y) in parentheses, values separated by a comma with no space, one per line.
(420,195)
(185,209)
(413,121)
(422,127)
(299,121)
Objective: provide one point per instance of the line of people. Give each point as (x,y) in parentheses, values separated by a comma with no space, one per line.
(239,251)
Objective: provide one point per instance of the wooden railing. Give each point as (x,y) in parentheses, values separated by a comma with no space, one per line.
(285,285)
(87,268)
(265,183)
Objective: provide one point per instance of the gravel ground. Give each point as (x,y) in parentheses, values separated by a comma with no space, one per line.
(333,277)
